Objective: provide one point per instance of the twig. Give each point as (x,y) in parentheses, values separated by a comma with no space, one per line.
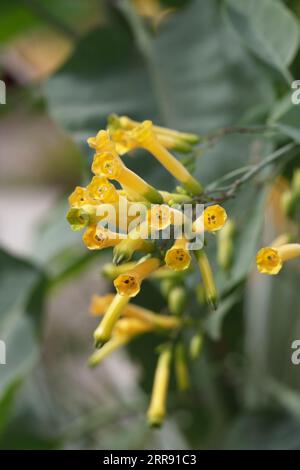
(229,191)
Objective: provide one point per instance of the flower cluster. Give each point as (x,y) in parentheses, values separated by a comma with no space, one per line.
(105,208)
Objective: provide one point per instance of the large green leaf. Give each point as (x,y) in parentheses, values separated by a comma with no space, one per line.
(268,28)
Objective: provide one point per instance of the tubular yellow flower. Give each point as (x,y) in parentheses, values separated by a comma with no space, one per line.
(269,260)
(101,190)
(225,245)
(129,284)
(125,250)
(196,345)
(132,326)
(157,408)
(126,123)
(96,237)
(282,239)
(175,198)
(177,299)
(212,219)
(161,216)
(112,167)
(102,143)
(181,369)
(207,278)
(125,144)
(114,343)
(144,137)
(80,197)
(103,333)
(80,217)
(178,257)
(111,271)
(99,305)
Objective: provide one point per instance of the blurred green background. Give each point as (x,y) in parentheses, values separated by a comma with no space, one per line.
(195,65)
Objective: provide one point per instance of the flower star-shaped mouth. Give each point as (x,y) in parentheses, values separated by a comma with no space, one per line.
(268,261)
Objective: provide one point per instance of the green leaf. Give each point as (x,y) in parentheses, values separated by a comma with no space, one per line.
(288,123)
(18,281)
(268,28)
(264,430)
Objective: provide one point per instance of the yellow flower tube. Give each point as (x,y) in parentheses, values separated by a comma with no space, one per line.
(129,284)
(181,369)
(178,257)
(111,166)
(269,260)
(80,197)
(99,305)
(207,278)
(157,408)
(101,190)
(103,332)
(96,238)
(144,137)
(126,123)
(102,143)
(212,219)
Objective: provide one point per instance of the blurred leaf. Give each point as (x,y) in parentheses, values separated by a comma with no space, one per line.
(6,402)
(15,19)
(213,323)
(18,279)
(288,123)
(268,28)
(264,431)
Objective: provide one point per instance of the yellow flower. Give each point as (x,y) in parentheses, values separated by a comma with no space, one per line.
(207,278)
(103,332)
(80,197)
(80,217)
(99,305)
(144,137)
(161,216)
(126,123)
(101,190)
(226,245)
(157,408)
(129,284)
(212,219)
(96,238)
(269,260)
(102,143)
(124,251)
(178,257)
(132,327)
(112,167)
(111,271)
(123,332)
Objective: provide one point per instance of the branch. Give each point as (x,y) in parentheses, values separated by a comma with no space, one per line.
(229,191)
